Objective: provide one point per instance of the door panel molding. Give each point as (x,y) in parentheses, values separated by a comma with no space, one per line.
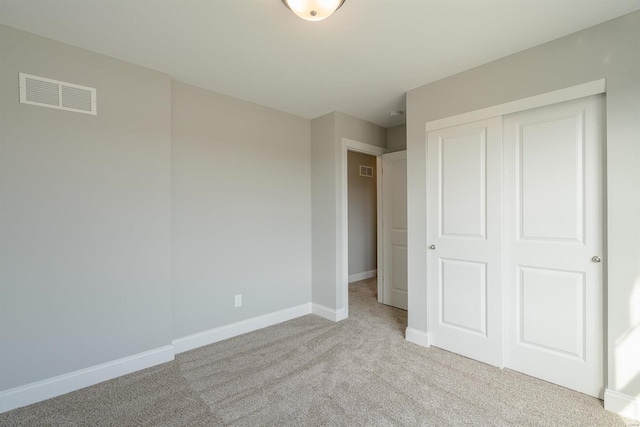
(462,315)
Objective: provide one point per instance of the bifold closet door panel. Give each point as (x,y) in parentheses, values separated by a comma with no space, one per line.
(553,159)
(464,235)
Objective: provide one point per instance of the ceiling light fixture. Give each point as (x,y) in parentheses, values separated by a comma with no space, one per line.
(313,10)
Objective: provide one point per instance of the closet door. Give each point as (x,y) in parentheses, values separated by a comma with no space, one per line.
(464,233)
(554,243)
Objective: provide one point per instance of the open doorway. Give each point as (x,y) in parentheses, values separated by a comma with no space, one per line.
(362,195)
(375,254)
(342,246)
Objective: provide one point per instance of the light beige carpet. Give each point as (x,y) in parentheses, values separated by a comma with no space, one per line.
(312,372)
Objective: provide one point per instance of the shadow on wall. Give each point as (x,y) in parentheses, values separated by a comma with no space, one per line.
(397,138)
(627,368)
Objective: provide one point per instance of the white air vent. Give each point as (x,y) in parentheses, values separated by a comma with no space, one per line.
(45,92)
(366,171)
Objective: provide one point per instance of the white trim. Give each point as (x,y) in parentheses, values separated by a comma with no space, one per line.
(417,337)
(622,404)
(567,94)
(72,381)
(66,383)
(362,147)
(328,313)
(362,276)
(238,328)
(341,315)
(342,216)
(379,253)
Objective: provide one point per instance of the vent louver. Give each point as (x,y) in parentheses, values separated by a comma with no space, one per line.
(366,171)
(50,93)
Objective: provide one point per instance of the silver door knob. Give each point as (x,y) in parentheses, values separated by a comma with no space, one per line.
(596,259)
(432,247)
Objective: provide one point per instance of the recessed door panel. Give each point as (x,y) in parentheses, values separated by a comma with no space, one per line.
(551,187)
(400,267)
(462,184)
(551,305)
(398,171)
(464,290)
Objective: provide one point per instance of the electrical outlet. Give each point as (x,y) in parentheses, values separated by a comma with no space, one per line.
(238,300)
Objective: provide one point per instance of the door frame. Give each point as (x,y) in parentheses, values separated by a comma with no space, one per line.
(342,218)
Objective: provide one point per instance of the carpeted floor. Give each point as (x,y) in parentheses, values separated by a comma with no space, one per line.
(312,372)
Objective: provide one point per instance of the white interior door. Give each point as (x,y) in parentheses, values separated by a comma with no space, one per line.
(394,229)
(464,233)
(553,229)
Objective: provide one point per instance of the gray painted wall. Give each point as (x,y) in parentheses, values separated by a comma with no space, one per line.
(85,252)
(87,211)
(610,50)
(363,215)
(359,130)
(323,214)
(241,190)
(326,161)
(396,138)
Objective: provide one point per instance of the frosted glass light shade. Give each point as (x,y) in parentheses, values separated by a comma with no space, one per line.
(313,10)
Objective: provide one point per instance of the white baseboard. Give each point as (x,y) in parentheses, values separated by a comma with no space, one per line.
(66,383)
(417,337)
(329,313)
(622,404)
(229,331)
(364,275)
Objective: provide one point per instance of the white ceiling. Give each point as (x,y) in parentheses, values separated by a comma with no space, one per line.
(360,61)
